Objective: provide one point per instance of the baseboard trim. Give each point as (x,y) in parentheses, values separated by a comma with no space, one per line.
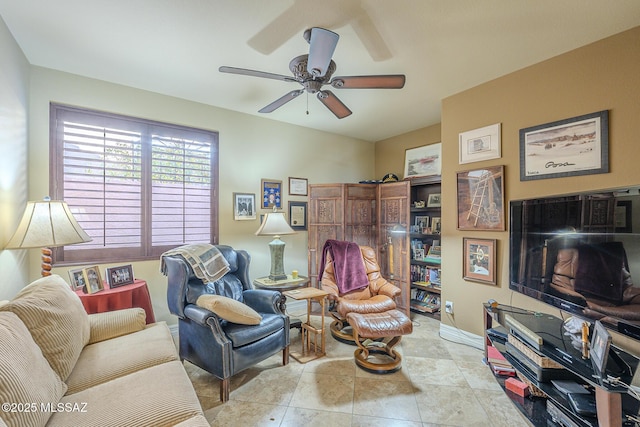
(451,333)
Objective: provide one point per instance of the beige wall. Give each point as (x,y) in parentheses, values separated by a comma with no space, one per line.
(14,97)
(251,148)
(390,152)
(601,76)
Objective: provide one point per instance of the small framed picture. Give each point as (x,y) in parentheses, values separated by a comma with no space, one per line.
(434,200)
(297,186)
(92,279)
(120,276)
(423,161)
(271,193)
(599,348)
(244,206)
(77,280)
(422,222)
(298,215)
(418,254)
(435,225)
(479,260)
(480,144)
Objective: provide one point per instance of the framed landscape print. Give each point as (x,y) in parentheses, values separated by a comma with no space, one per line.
(576,146)
(423,161)
(480,194)
(479,260)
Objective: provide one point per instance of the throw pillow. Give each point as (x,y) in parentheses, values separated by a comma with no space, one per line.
(56,319)
(230,309)
(27,378)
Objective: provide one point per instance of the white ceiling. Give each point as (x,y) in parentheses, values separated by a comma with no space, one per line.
(175,47)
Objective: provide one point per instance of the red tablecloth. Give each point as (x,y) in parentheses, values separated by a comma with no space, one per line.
(127,296)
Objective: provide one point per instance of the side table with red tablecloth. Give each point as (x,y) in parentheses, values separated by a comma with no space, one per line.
(127,296)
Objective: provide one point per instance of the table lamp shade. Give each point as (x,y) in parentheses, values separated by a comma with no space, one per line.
(47,224)
(275,224)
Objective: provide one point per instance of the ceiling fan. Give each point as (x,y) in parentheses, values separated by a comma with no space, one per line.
(314,70)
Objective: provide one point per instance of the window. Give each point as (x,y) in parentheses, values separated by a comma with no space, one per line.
(137,187)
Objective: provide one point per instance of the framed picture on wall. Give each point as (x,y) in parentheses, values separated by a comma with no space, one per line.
(480,195)
(423,161)
(298,215)
(479,260)
(297,186)
(569,147)
(479,144)
(244,206)
(271,193)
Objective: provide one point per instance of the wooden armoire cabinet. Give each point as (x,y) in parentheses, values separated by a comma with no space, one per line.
(375,215)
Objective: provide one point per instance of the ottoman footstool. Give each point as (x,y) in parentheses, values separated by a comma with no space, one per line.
(390,325)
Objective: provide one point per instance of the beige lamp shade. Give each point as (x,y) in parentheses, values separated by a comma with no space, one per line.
(275,224)
(49,223)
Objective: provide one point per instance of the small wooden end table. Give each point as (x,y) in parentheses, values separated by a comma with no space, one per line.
(310,350)
(281,285)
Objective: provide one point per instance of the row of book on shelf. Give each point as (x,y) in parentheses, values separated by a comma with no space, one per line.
(423,273)
(424,301)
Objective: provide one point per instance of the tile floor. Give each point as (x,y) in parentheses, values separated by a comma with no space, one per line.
(440,384)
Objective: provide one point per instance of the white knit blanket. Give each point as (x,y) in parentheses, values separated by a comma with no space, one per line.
(206,260)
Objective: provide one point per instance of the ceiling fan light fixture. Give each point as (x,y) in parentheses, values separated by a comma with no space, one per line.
(322,45)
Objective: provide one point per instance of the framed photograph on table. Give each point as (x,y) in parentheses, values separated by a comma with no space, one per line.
(120,276)
(297,186)
(479,144)
(479,260)
(92,279)
(423,161)
(570,147)
(298,215)
(422,222)
(77,279)
(480,195)
(244,206)
(271,193)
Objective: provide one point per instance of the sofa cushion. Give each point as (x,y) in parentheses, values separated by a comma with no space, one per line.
(25,374)
(158,396)
(56,319)
(117,357)
(112,324)
(230,309)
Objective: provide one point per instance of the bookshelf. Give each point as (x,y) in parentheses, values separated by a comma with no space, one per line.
(425,262)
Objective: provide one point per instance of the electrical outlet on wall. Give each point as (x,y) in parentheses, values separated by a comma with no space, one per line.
(448,307)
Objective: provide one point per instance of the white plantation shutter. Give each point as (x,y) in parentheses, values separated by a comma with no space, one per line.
(137,187)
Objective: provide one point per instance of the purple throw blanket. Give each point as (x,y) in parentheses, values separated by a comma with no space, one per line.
(348,266)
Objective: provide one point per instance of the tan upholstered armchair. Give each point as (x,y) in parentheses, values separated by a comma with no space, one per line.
(377,297)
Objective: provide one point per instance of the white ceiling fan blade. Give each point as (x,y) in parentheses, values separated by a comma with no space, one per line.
(281,101)
(334,104)
(254,73)
(322,45)
(388,81)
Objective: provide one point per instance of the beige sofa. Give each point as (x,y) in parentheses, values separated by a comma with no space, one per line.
(62,367)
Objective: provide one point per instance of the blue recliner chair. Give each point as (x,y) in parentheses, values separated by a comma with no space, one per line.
(220,347)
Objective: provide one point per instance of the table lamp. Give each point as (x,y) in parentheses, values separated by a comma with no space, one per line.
(44,225)
(275,224)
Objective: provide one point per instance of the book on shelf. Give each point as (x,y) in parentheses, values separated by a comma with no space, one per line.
(500,370)
(496,358)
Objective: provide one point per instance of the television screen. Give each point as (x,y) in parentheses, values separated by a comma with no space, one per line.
(580,253)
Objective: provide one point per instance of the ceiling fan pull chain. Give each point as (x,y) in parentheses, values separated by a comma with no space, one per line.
(307,103)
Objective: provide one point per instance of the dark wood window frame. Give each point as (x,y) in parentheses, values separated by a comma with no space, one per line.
(138,187)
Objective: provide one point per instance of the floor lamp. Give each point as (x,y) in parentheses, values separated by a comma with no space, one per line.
(275,224)
(45,225)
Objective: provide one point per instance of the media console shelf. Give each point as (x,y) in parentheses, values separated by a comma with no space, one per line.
(612,402)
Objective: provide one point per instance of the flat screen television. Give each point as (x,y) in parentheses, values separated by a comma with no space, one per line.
(580,253)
